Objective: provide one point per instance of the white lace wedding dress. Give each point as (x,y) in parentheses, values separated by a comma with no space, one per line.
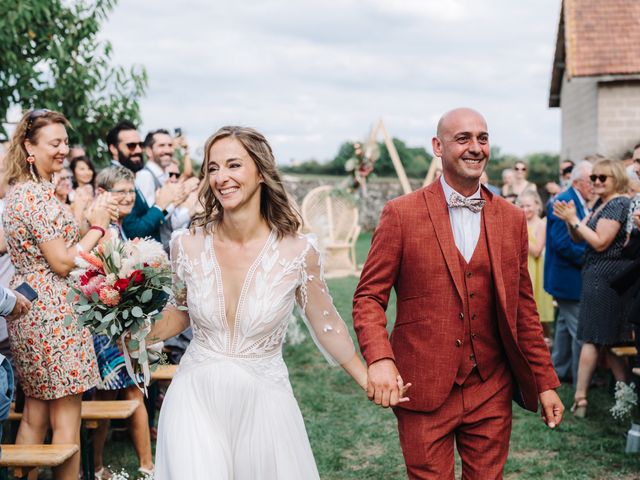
(230,413)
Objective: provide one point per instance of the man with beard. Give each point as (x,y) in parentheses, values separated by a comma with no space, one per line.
(145,219)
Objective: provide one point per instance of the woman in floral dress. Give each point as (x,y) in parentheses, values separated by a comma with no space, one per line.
(54,360)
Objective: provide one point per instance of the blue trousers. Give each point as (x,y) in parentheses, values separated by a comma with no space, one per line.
(566,346)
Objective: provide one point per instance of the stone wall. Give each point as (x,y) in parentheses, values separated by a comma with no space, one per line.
(618,117)
(579,104)
(599,117)
(379,192)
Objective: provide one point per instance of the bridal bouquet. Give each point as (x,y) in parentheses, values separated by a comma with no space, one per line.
(121,289)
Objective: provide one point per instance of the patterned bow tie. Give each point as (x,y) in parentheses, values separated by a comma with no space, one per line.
(473,204)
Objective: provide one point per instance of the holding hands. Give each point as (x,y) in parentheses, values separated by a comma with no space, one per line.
(385,386)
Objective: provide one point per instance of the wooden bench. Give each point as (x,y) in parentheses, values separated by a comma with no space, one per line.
(629,351)
(164,372)
(95,410)
(24,458)
(92,412)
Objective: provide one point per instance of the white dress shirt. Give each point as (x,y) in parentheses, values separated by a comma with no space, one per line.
(146,183)
(464,223)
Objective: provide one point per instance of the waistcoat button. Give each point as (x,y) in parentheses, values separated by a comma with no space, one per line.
(458,343)
(461,316)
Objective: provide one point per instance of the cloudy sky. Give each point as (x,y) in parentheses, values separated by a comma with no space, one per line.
(312,74)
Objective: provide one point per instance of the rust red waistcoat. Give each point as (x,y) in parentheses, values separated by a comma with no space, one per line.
(481,344)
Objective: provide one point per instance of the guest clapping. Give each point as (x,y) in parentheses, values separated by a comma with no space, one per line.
(119,182)
(54,360)
(601,322)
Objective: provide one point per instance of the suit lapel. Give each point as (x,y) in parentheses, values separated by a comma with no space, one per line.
(492,218)
(439,214)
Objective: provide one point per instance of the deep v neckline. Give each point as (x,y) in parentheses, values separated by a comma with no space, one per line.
(232,333)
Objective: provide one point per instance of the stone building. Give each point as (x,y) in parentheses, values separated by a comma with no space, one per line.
(596,77)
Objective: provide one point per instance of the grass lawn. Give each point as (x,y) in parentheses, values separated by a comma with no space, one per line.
(353,439)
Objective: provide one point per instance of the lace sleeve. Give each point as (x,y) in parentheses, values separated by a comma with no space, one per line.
(327,329)
(179,265)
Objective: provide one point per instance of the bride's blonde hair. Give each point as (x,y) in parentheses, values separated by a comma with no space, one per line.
(275,206)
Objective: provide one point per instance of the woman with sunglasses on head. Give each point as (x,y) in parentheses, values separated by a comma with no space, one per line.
(55,362)
(601,322)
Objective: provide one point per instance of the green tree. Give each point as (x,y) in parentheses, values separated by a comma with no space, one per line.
(415,161)
(50,58)
(543,167)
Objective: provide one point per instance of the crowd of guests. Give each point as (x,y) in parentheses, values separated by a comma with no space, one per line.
(55,205)
(583,249)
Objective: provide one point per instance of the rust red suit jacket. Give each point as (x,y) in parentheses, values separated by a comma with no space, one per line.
(413,250)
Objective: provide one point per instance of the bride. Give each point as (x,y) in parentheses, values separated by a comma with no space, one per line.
(230,413)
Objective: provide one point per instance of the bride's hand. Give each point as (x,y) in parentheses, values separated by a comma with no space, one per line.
(403,390)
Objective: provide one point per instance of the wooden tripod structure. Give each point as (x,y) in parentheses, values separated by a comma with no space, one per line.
(393,153)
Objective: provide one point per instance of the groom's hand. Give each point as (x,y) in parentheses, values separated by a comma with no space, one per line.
(382,383)
(552,408)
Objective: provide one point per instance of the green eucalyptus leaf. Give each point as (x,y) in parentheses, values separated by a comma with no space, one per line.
(146,296)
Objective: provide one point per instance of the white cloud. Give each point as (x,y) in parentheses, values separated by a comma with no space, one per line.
(311,75)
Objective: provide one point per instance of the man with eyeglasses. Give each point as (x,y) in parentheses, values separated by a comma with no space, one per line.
(146,218)
(562,266)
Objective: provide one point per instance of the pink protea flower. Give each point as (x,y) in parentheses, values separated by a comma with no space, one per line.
(109,296)
(94,284)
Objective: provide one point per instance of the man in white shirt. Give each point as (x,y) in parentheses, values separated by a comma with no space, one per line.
(158,145)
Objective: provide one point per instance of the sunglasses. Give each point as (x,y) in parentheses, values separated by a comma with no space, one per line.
(520,169)
(33,114)
(65,177)
(601,178)
(173,174)
(132,145)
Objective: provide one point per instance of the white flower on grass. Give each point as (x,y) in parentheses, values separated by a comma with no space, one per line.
(626,400)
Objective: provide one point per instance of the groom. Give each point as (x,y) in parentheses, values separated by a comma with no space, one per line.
(467,334)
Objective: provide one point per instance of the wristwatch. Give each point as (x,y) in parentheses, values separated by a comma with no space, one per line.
(575,226)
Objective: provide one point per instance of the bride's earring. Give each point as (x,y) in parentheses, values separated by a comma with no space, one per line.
(32,160)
